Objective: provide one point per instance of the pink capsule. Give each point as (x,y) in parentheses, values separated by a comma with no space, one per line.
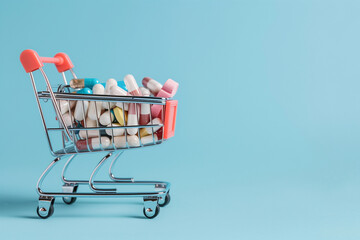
(167,91)
(132,119)
(131,85)
(145,108)
(94,143)
(133,113)
(152,85)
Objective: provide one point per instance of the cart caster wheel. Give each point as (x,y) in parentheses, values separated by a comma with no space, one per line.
(71,189)
(166,201)
(69,200)
(45,213)
(151,213)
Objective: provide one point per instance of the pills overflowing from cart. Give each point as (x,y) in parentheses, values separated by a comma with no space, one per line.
(119,118)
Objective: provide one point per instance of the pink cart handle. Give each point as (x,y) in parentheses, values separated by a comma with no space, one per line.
(170,118)
(31,61)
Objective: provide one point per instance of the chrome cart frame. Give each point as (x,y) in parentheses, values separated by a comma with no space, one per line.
(69,136)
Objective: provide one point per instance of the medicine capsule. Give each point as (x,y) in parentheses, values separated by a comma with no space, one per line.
(149,130)
(107,117)
(64,106)
(115,131)
(120,141)
(109,83)
(85,91)
(134,90)
(132,119)
(149,139)
(95,107)
(131,85)
(94,143)
(83,82)
(89,133)
(68,119)
(81,110)
(145,108)
(152,85)
(167,91)
(82,106)
(118,91)
(120,117)
(119,83)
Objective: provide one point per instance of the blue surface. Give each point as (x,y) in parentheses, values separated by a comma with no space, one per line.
(267,136)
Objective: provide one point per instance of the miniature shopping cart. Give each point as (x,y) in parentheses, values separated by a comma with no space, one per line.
(63,138)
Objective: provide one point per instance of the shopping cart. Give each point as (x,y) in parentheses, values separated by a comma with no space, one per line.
(64,140)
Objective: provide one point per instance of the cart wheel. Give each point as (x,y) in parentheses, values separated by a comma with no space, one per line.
(50,212)
(149,213)
(70,200)
(166,201)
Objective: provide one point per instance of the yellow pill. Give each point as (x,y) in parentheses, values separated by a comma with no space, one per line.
(119,115)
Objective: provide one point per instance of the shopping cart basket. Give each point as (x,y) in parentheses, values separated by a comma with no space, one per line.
(64,137)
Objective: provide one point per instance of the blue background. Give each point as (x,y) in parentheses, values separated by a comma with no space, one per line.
(266,144)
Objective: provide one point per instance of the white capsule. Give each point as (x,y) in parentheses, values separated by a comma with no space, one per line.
(106,118)
(149,130)
(118,91)
(90,133)
(145,108)
(132,119)
(68,119)
(81,110)
(72,104)
(95,107)
(94,143)
(115,131)
(120,141)
(64,106)
(109,83)
(145,92)
(131,85)
(152,85)
(149,139)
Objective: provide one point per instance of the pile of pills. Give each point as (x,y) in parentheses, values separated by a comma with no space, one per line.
(112,114)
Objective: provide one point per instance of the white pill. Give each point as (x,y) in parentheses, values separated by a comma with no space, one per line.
(81,110)
(90,133)
(149,139)
(95,107)
(132,119)
(149,130)
(68,119)
(145,92)
(115,131)
(118,91)
(94,143)
(152,85)
(106,118)
(64,106)
(109,83)
(131,85)
(120,141)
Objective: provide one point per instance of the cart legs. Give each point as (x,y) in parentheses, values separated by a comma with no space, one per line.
(153,200)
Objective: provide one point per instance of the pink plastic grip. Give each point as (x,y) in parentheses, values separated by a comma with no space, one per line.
(170,118)
(31,61)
